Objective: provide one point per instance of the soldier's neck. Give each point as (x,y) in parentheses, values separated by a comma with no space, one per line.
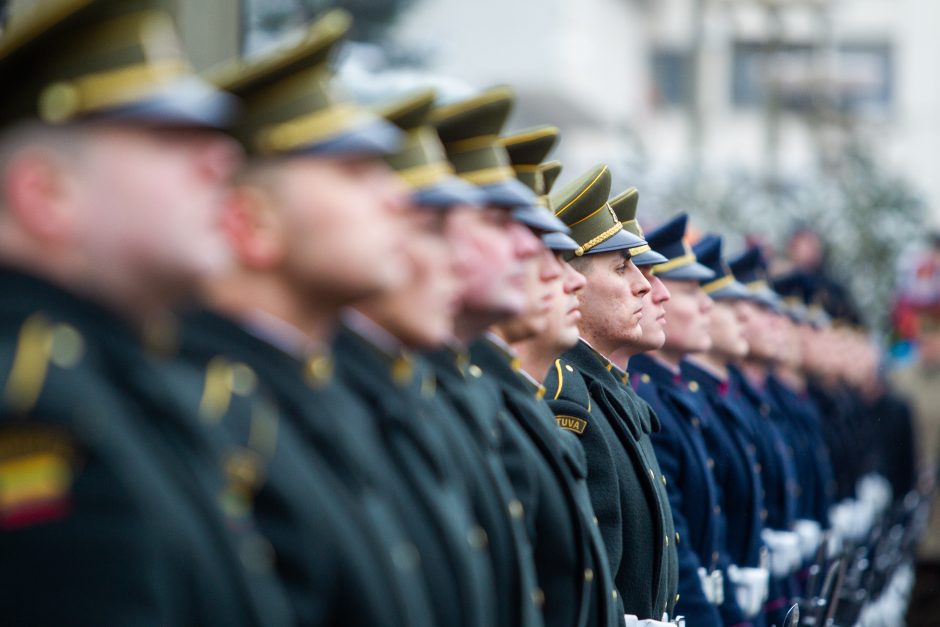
(711,362)
(241,295)
(670,358)
(755,371)
(536,356)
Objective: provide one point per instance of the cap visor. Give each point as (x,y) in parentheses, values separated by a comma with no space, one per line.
(449,192)
(188,101)
(768,298)
(559,242)
(509,193)
(649,258)
(691,272)
(734,291)
(621,240)
(373,137)
(539,218)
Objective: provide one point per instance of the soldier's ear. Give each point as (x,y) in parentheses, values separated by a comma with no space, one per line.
(254,227)
(36,187)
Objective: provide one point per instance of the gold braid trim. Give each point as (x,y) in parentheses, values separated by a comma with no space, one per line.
(606,235)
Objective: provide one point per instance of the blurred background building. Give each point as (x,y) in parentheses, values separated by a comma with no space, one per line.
(757,116)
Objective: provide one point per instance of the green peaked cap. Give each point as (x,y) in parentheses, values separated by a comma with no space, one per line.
(421,161)
(527,149)
(624,205)
(289,105)
(582,205)
(71,60)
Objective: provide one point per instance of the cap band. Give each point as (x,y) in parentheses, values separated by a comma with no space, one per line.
(717,284)
(606,235)
(636,251)
(675,262)
(488,176)
(425,175)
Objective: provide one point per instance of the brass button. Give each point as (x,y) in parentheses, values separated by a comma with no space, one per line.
(538,597)
(677,537)
(613,594)
(717,509)
(696,422)
(664,479)
(711,463)
(516,509)
(595,521)
(677,598)
(652,475)
(476,538)
(645,378)
(569,368)
(666,540)
(475,371)
(693,386)
(763,514)
(588,575)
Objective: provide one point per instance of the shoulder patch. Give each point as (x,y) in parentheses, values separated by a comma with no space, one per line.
(572,423)
(37,468)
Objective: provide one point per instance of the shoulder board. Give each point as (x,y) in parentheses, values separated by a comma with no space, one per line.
(564,382)
(41,346)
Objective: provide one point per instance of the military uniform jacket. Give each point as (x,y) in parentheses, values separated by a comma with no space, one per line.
(695,497)
(399,389)
(778,473)
(589,398)
(736,468)
(569,550)
(110,489)
(339,547)
(802,421)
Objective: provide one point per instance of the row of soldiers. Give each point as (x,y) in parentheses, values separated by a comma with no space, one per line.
(269,357)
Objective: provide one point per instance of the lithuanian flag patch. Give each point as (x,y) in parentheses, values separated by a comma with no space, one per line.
(37,468)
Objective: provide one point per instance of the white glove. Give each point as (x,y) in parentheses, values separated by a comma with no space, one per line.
(750,588)
(632,621)
(784,547)
(810,534)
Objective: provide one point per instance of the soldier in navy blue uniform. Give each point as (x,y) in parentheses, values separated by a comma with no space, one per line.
(733,455)
(114,508)
(679,324)
(747,376)
(342,526)
(569,551)
(589,397)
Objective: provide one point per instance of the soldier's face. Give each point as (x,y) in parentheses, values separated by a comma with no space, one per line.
(341,233)
(758,330)
(788,347)
(727,331)
(687,317)
(421,313)
(490,252)
(654,312)
(151,202)
(542,288)
(564,316)
(612,301)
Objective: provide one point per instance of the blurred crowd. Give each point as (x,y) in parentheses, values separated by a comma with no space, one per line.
(269,356)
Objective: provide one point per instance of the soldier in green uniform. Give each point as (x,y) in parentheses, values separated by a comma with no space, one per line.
(588,396)
(112,502)
(412,317)
(310,460)
(569,549)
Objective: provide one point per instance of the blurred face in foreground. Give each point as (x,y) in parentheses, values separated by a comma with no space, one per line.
(726,330)
(421,313)
(542,288)
(564,313)
(491,252)
(330,227)
(654,313)
(612,301)
(138,204)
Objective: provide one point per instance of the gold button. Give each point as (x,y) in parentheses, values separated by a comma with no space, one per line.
(677,537)
(717,509)
(476,538)
(666,540)
(664,479)
(588,575)
(475,371)
(595,520)
(693,386)
(711,463)
(696,422)
(645,378)
(538,597)
(569,368)
(677,598)
(763,514)
(515,509)
(652,475)
(613,594)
